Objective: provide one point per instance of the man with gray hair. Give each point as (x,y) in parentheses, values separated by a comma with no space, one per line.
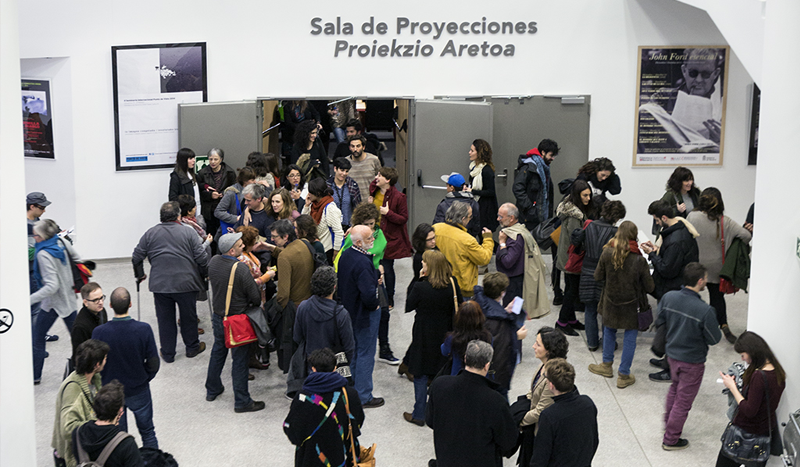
(254,213)
(519,258)
(358,290)
(178,263)
(471,421)
(460,248)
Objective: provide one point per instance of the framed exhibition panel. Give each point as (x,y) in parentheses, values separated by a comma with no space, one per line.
(37,119)
(680,106)
(149,83)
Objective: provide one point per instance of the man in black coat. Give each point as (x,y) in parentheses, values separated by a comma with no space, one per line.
(678,248)
(567,429)
(92,314)
(471,421)
(455,192)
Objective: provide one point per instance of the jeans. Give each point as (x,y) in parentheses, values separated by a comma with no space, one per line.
(340,134)
(571,288)
(717,300)
(389,279)
(216,362)
(168,328)
(44,321)
(590,318)
(364,358)
(628,348)
(383,328)
(142,407)
(686,379)
(420,396)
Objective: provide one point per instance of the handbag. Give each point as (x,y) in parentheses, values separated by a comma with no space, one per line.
(542,233)
(238,330)
(575,257)
(741,446)
(725,285)
(645,314)
(367,455)
(455,296)
(342,364)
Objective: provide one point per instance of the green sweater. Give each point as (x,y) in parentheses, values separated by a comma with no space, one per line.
(378,248)
(73,409)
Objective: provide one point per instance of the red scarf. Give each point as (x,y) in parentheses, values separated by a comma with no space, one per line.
(634,247)
(318,206)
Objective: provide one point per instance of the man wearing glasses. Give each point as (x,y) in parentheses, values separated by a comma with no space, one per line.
(92,314)
(35,203)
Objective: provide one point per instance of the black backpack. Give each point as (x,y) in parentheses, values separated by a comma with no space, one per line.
(319,258)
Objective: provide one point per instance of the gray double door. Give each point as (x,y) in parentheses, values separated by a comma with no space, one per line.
(441,132)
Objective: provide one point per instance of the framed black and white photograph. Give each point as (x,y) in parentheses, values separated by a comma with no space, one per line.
(149,83)
(680,105)
(37,119)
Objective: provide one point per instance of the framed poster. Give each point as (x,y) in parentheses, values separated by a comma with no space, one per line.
(149,83)
(680,106)
(755,116)
(37,119)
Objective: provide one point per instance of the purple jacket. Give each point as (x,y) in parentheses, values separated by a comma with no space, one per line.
(511,259)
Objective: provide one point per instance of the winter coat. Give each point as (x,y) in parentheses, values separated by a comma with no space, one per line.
(179,184)
(571,218)
(177,258)
(474,225)
(230,207)
(678,248)
(434,319)
(710,241)
(471,421)
(393,223)
(611,184)
(464,253)
(532,191)
(320,433)
(541,397)
(503,327)
(56,292)
(591,240)
(624,289)
(73,409)
(487,199)
(675,199)
(314,324)
(737,268)
(534,286)
(358,286)
(205,179)
(95,437)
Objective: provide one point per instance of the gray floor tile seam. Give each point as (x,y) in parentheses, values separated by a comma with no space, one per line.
(608,382)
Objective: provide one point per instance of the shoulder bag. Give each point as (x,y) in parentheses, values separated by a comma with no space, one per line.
(725,285)
(238,329)
(575,257)
(83,456)
(744,447)
(367,455)
(455,296)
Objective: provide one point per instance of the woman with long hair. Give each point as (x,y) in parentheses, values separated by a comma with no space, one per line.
(422,240)
(320,206)
(295,112)
(250,240)
(294,180)
(258,162)
(626,280)
(182,180)
(573,212)
(281,205)
(213,180)
(764,379)
(468,325)
(432,298)
(481,180)
(308,152)
(549,344)
(601,176)
(682,193)
(717,232)
(591,240)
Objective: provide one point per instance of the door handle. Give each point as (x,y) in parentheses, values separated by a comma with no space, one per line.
(419,182)
(504,176)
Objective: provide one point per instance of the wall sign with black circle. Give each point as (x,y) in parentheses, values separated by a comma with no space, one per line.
(6,320)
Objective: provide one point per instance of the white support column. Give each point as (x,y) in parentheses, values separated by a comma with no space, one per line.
(17,431)
(774,310)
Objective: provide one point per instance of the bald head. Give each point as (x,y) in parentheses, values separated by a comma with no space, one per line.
(120,301)
(361,236)
(507,214)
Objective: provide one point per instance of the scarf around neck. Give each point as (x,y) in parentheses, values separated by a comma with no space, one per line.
(52,247)
(475,171)
(318,207)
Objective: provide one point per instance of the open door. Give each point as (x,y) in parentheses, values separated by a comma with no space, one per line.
(440,133)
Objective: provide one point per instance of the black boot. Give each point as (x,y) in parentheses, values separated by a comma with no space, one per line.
(386,356)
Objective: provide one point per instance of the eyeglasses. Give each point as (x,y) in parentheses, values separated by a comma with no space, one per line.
(39,206)
(293,176)
(704,74)
(97,300)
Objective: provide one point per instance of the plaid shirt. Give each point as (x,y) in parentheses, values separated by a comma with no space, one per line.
(352,187)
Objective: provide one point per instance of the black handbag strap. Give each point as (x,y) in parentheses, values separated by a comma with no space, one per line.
(769,407)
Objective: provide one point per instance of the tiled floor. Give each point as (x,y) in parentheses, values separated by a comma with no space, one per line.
(200,433)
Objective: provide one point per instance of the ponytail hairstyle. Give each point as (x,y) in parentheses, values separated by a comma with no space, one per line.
(621,243)
(710,203)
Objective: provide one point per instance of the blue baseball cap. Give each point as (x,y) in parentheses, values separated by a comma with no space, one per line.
(455,179)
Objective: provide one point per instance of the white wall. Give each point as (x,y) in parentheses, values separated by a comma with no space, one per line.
(55,178)
(260,48)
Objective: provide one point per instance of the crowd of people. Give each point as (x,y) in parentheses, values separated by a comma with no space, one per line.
(309,256)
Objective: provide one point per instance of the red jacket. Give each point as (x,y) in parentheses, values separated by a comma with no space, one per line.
(394,223)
